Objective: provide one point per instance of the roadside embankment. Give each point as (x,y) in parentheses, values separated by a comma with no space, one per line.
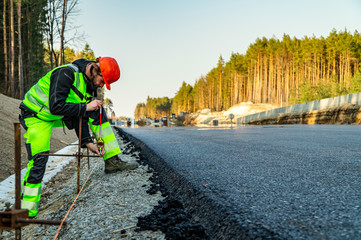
(9,113)
(346,114)
(338,110)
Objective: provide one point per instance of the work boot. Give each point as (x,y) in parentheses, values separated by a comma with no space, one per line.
(115,164)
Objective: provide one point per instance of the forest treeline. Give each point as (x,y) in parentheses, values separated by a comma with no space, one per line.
(153,108)
(36,36)
(281,72)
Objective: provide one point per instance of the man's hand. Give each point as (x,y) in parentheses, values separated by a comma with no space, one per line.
(94,105)
(92,147)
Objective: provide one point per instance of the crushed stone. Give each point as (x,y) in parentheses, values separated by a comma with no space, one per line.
(111,206)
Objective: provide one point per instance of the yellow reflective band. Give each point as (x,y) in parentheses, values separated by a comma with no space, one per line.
(31,191)
(76,74)
(31,198)
(105,132)
(33,185)
(32,100)
(76,69)
(39,91)
(34,97)
(111,153)
(108,146)
(77,80)
(109,138)
(37,104)
(29,205)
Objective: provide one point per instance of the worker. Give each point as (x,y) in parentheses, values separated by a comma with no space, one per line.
(60,98)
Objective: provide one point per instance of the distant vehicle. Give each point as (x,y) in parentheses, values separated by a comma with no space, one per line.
(165,121)
(156,123)
(173,116)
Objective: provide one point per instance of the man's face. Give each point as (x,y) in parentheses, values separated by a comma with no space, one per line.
(94,74)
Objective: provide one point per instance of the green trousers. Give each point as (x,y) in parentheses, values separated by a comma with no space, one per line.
(38,133)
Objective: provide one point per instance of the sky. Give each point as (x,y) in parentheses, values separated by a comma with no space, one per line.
(158,44)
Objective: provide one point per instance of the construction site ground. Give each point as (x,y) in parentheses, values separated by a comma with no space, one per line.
(123,205)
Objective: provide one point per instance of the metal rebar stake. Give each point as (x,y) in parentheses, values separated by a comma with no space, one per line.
(78,156)
(17,173)
(87,151)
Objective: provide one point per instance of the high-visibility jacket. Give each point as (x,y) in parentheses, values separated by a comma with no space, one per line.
(38,122)
(37,98)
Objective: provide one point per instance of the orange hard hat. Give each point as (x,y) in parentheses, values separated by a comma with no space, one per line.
(110,70)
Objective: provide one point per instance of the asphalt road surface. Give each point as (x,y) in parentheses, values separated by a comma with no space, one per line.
(286,182)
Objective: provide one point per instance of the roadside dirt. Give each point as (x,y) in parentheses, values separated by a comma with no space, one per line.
(9,112)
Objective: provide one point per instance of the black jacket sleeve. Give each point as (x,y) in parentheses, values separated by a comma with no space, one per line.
(73,123)
(61,81)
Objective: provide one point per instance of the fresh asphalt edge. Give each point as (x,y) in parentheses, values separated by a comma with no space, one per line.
(219,221)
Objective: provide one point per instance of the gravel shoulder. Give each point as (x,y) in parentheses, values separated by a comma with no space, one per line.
(124,205)
(108,203)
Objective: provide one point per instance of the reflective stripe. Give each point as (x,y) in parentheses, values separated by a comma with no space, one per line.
(37,96)
(31,198)
(29,205)
(111,153)
(32,99)
(76,69)
(108,146)
(111,145)
(106,130)
(110,141)
(33,185)
(42,95)
(77,80)
(109,138)
(37,102)
(31,191)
